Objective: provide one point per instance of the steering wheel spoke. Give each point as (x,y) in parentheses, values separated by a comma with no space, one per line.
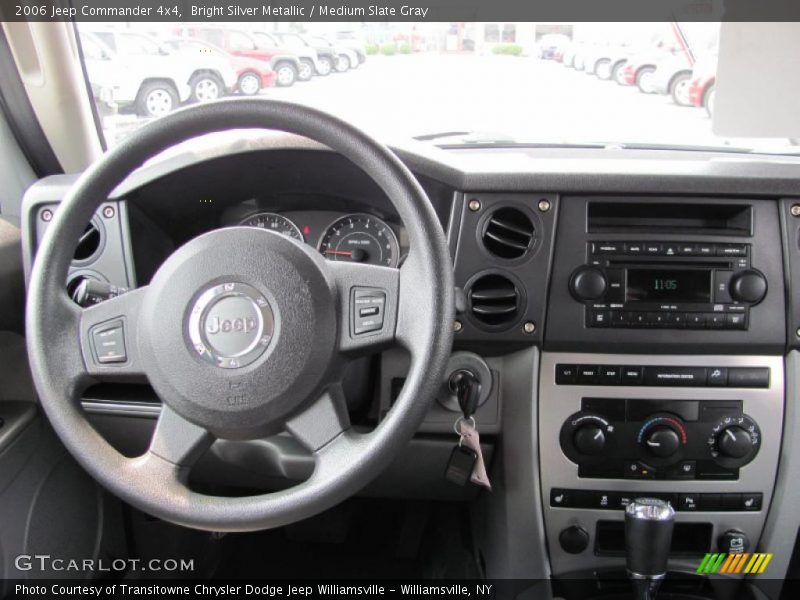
(368,302)
(108,337)
(177,440)
(323,421)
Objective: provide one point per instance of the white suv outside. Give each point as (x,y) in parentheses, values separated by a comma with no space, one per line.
(134,69)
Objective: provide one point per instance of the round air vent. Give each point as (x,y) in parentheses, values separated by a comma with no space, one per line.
(89,242)
(494,300)
(508,233)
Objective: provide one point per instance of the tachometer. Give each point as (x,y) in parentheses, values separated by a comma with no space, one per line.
(360,238)
(274,222)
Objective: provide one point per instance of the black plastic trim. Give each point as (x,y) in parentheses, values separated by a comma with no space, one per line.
(21,118)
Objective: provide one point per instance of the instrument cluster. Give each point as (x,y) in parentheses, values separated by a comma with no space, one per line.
(350,237)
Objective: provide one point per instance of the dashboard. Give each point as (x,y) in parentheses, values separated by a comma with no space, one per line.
(633,316)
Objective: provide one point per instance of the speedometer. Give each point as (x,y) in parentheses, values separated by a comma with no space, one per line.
(360,238)
(274,222)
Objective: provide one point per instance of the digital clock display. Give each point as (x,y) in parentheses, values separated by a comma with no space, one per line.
(668,285)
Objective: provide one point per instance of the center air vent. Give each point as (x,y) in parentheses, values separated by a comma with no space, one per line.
(508,233)
(89,243)
(494,300)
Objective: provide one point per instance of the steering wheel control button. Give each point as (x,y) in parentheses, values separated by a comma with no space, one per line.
(369,306)
(231,325)
(108,342)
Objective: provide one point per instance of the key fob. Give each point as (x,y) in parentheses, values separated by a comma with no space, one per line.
(460,466)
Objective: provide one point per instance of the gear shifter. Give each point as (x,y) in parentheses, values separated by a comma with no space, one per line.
(648,534)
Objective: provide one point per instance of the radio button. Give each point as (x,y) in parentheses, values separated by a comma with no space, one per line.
(632,375)
(606,248)
(634,248)
(749,377)
(639,319)
(676,320)
(722,294)
(736,321)
(732,250)
(600,318)
(716,320)
(621,318)
(566,374)
(652,249)
(616,285)
(609,375)
(670,250)
(717,376)
(587,374)
(686,469)
(752,501)
(696,320)
(705,249)
(657,319)
(675,376)
(687,249)
(688,502)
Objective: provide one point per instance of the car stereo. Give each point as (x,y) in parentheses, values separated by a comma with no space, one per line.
(667,285)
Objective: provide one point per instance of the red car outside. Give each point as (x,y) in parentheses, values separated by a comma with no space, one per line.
(253,75)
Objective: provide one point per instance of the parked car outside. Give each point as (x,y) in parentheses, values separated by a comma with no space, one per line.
(353,41)
(569,54)
(549,44)
(210,77)
(673,77)
(251,75)
(326,54)
(346,58)
(239,43)
(609,61)
(307,55)
(702,87)
(134,70)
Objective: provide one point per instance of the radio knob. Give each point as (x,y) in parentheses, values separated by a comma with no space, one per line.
(662,442)
(587,283)
(748,286)
(734,442)
(589,439)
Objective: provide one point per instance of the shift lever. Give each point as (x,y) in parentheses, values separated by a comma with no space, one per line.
(648,534)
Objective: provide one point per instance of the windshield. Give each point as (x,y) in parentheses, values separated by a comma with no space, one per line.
(595,84)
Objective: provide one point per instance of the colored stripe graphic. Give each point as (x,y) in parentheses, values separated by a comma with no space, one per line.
(755,563)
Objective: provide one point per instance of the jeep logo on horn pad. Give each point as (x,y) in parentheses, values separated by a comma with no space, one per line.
(230,325)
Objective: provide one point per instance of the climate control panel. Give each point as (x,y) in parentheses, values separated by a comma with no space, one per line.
(622,438)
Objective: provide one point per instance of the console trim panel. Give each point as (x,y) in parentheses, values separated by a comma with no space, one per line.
(558,402)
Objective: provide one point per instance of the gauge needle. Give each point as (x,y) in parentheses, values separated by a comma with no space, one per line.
(340,252)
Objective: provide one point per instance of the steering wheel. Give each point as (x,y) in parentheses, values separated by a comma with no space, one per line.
(242,333)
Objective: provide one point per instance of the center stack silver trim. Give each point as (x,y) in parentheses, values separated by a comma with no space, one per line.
(557,402)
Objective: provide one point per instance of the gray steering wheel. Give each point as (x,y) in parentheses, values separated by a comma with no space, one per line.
(242,333)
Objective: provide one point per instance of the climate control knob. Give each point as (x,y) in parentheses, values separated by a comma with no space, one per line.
(748,286)
(734,442)
(589,440)
(587,283)
(662,442)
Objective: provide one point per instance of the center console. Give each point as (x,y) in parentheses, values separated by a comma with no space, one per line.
(662,375)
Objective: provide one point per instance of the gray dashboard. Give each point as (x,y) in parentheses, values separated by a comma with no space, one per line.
(168,202)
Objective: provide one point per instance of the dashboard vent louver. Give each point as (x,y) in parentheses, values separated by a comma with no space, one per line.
(89,243)
(494,300)
(509,233)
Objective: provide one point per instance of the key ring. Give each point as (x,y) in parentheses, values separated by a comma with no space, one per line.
(457,425)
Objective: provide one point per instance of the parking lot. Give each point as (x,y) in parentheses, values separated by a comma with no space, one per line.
(526,98)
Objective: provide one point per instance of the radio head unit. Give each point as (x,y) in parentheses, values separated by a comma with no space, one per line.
(670,285)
